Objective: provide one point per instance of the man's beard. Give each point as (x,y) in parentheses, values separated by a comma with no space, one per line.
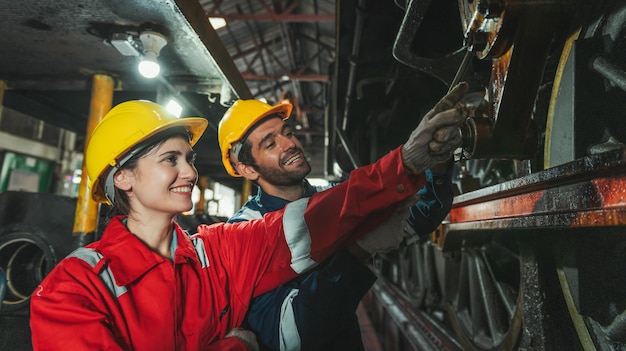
(284,178)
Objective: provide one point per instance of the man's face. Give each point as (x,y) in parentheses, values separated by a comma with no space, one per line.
(278,153)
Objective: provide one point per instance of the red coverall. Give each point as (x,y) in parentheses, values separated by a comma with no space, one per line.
(117,294)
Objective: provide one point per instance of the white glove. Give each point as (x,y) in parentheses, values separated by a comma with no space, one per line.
(246,337)
(389,234)
(437,135)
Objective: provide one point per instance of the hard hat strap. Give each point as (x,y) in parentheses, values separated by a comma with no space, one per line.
(237,148)
(109,186)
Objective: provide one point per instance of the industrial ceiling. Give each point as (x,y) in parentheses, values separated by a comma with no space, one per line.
(50,50)
(333,60)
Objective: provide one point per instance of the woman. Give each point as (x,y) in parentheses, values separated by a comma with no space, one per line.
(147,285)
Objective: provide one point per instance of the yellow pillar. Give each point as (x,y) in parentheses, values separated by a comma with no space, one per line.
(3,87)
(246,188)
(203,181)
(86,217)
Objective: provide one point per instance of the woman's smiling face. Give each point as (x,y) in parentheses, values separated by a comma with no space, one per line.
(163,179)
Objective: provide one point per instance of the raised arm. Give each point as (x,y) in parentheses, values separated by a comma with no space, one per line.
(308,230)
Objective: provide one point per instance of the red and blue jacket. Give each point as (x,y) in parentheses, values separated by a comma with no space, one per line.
(316,311)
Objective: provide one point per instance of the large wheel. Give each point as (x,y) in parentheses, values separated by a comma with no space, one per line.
(26,259)
(413,275)
(590,274)
(484,305)
(35,234)
(586,116)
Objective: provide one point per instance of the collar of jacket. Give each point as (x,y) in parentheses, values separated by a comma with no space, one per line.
(273,203)
(129,258)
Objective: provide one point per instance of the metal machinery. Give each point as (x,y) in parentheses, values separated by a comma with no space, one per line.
(533,254)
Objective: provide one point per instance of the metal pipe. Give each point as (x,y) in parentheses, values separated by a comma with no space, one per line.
(349,151)
(610,71)
(460,73)
(356,45)
(86,216)
(3,88)
(331,112)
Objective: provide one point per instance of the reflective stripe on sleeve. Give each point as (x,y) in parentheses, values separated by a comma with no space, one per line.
(92,257)
(288,333)
(198,244)
(297,235)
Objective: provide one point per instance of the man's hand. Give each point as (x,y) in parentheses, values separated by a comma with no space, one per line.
(246,337)
(438,134)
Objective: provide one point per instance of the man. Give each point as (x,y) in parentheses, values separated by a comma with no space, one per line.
(316,311)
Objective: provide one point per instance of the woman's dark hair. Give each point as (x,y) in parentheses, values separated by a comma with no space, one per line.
(121,205)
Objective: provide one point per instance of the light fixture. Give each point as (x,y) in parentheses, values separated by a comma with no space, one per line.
(217,22)
(174,108)
(125,44)
(152,42)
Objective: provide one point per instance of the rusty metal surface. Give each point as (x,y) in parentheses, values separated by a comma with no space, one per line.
(517,37)
(589,192)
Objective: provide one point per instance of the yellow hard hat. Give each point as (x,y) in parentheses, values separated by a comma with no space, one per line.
(238,120)
(124,127)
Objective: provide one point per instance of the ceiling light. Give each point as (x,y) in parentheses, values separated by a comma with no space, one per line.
(148,66)
(174,108)
(217,22)
(152,42)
